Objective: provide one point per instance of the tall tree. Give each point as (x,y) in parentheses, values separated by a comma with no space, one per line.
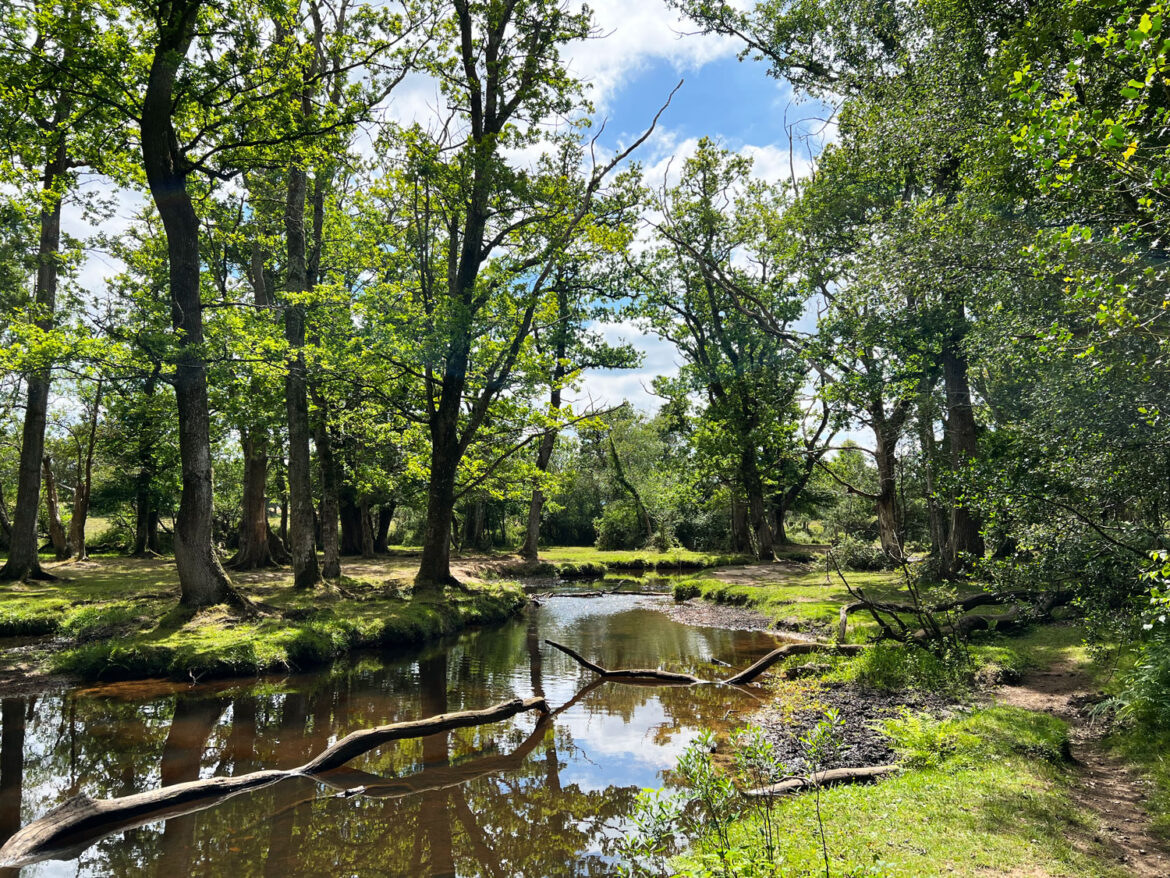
(51,128)
(484,235)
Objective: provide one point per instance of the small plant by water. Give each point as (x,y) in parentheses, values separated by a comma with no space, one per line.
(706,801)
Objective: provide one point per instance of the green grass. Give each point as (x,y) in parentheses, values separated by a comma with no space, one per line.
(997,802)
(120,619)
(803,600)
(638,559)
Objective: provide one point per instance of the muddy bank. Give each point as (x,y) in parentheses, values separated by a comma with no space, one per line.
(709,615)
(861,709)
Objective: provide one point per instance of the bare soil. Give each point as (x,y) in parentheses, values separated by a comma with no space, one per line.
(861,709)
(767,573)
(1105,786)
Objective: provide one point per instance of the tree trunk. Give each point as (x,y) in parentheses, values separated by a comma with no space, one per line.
(81,492)
(301,543)
(330,490)
(351,525)
(434,569)
(145,501)
(5,523)
(531,547)
(202,579)
(885,433)
(962,435)
(385,518)
(255,551)
(23,559)
(938,527)
(620,474)
(367,528)
(741,540)
(779,512)
(57,535)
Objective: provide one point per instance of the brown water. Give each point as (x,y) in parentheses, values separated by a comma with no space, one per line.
(517,798)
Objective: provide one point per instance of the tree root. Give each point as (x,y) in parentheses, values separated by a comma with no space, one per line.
(69,829)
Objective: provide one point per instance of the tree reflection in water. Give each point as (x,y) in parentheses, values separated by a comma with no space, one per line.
(524,797)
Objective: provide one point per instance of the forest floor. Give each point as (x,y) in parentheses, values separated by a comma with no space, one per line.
(119,618)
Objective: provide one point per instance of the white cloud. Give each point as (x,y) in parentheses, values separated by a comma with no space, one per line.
(609,387)
(631,35)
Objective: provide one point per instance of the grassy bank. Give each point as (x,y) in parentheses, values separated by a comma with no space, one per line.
(120,619)
(793,596)
(984,793)
(990,789)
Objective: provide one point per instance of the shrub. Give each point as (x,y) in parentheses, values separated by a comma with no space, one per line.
(850,553)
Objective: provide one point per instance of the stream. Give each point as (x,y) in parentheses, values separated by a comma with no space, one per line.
(509,799)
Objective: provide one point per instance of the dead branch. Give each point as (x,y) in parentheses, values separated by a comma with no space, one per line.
(743,677)
(824,778)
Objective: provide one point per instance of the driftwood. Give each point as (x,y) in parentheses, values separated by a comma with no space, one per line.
(69,829)
(823,778)
(628,673)
(743,677)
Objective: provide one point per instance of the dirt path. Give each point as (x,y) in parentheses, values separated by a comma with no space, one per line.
(765,573)
(1105,786)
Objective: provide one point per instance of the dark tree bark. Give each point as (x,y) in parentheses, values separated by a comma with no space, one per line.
(887,430)
(201,577)
(475,526)
(741,539)
(5,523)
(966,541)
(351,525)
(57,536)
(301,543)
(255,549)
(367,523)
(81,492)
(23,560)
(385,518)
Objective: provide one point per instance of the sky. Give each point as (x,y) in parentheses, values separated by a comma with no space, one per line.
(645,50)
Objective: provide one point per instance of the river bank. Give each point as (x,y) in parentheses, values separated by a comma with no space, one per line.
(117,619)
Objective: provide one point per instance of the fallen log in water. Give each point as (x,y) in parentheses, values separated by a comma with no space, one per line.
(824,778)
(69,829)
(628,673)
(745,676)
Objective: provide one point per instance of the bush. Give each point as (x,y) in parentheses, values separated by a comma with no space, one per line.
(853,554)
(618,527)
(686,590)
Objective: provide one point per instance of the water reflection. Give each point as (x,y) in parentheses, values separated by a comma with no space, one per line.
(530,796)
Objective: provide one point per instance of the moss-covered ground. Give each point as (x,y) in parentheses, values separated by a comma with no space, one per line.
(120,618)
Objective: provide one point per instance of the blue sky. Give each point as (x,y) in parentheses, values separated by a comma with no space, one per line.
(646,50)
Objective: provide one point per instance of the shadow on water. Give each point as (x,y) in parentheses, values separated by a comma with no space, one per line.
(529,796)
